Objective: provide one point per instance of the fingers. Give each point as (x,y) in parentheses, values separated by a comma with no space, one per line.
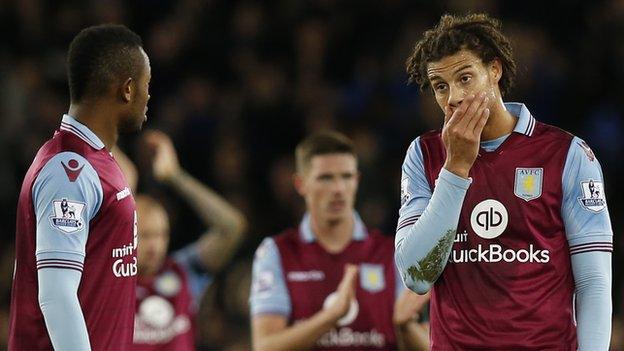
(155,137)
(478,114)
(418,300)
(481,122)
(447,114)
(460,112)
(471,111)
(158,142)
(413,299)
(347,284)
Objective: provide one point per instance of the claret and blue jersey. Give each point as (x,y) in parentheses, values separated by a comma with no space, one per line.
(76,213)
(528,230)
(294,276)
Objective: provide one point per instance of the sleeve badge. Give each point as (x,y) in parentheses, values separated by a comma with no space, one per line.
(593,197)
(67,215)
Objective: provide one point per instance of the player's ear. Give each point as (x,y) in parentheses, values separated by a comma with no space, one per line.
(299,184)
(127,90)
(495,70)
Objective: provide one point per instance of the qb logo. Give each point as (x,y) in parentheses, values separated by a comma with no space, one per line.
(489,219)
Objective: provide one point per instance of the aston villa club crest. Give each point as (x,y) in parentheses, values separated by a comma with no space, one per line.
(372,277)
(528,183)
(593,198)
(67,215)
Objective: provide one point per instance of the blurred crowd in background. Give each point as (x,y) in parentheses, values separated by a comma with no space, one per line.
(236,84)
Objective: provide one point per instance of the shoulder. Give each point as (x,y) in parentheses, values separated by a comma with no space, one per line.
(66,141)
(426,138)
(380,239)
(430,144)
(580,149)
(552,132)
(65,168)
(287,236)
(433,136)
(266,250)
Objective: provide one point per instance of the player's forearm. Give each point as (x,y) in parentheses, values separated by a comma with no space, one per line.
(61,309)
(592,276)
(302,335)
(412,336)
(214,210)
(227,224)
(422,249)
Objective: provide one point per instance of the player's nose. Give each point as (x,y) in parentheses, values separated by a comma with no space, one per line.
(339,186)
(456,97)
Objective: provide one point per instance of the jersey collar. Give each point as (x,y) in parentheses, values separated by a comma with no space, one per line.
(70,124)
(307,235)
(526,122)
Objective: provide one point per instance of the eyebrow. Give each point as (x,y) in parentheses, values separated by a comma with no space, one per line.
(434,77)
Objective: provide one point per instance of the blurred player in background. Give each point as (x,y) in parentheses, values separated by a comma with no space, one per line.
(170,288)
(76,239)
(504,217)
(331,284)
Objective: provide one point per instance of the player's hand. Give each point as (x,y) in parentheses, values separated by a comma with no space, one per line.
(165,163)
(408,307)
(462,133)
(344,293)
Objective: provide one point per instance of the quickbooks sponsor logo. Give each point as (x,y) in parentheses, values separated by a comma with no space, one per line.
(495,253)
(347,337)
(488,220)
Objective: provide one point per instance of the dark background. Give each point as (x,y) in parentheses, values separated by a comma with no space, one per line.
(237,84)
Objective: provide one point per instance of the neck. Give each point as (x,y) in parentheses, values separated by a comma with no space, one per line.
(98,119)
(334,236)
(500,123)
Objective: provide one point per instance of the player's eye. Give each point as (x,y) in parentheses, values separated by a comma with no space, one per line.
(439,87)
(465,78)
(324,177)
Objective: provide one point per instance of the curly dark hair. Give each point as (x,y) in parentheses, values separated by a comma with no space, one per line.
(478,33)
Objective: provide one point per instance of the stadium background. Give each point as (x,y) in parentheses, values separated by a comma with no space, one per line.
(237,84)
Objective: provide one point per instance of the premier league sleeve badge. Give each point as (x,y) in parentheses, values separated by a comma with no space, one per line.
(593,198)
(67,215)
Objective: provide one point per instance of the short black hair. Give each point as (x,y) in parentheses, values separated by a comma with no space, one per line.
(322,143)
(100,55)
(478,33)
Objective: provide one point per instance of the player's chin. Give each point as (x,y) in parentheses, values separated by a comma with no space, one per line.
(132,125)
(337,214)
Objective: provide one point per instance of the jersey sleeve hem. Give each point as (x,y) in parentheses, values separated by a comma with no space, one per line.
(589,237)
(60,260)
(454,179)
(265,310)
(603,246)
(407,221)
(59,263)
